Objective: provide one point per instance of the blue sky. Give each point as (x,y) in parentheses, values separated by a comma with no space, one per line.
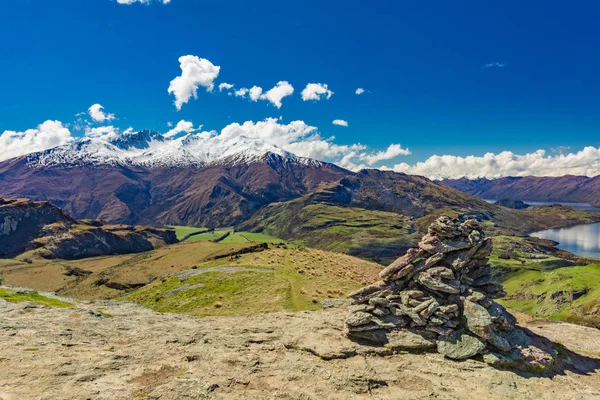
(422,64)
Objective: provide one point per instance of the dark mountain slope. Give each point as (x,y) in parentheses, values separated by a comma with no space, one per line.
(568,188)
(215,195)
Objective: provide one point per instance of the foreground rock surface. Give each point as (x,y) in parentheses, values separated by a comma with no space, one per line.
(109,350)
(443,291)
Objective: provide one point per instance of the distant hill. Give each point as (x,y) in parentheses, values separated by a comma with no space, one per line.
(43,229)
(568,188)
(379,214)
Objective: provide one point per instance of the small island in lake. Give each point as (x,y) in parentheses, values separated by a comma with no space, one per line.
(514,204)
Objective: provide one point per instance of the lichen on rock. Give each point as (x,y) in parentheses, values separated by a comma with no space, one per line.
(439,295)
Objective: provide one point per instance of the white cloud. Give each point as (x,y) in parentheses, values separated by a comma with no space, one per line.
(359,91)
(274,95)
(142,1)
(45,136)
(314,91)
(225,86)
(494,65)
(304,140)
(584,162)
(195,72)
(98,115)
(182,126)
(170,124)
(394,150)
(103,132)
(340,122)
(278,92)
(255,93)
(241,92)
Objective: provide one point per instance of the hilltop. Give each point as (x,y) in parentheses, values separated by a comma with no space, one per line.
(110,350)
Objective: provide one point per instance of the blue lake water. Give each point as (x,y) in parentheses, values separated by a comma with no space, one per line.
(582,240)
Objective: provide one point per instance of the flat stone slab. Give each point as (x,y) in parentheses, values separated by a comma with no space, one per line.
(410,340)
(459,346)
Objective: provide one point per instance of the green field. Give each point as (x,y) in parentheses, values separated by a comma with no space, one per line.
(183,231)
(233,237)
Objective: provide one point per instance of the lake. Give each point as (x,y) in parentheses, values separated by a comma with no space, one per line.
(582,240)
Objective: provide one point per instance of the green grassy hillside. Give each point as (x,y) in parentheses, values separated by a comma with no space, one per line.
(569,293)
(274,280)
(372,235)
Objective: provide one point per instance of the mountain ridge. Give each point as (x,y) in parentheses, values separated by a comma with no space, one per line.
(567,188)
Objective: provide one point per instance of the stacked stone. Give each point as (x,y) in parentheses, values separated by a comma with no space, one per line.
(440,293)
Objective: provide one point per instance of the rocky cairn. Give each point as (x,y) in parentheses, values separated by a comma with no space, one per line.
(439,296)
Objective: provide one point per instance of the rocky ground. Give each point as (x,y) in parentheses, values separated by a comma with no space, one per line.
(110,350)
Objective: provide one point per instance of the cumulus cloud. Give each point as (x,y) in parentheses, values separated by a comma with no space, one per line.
(182,126)
(97,113)
(315,91)
(103,132)
(274,95)
(195,72)
(584,162)
(359,91)
(340,122)
(225,86)
(302,140)
(278,92)
(47,135)
(255,93)
(393,151)
(143,1)
(241,92)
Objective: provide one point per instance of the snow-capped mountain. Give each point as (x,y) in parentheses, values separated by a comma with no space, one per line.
(151,149)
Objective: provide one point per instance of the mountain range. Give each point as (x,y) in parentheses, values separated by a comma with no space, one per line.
(145,177)
(567,188)
(212,181)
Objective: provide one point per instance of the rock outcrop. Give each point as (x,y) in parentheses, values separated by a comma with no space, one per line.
(21,221)
(108,350)
(439,297)
(29,225)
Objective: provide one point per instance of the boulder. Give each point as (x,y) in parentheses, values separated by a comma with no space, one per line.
(460,346)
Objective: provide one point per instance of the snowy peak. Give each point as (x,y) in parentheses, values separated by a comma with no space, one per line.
(152,150)
(138,140)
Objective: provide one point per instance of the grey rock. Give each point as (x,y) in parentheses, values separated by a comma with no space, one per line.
(359,318)
(460,346)
(411,340)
